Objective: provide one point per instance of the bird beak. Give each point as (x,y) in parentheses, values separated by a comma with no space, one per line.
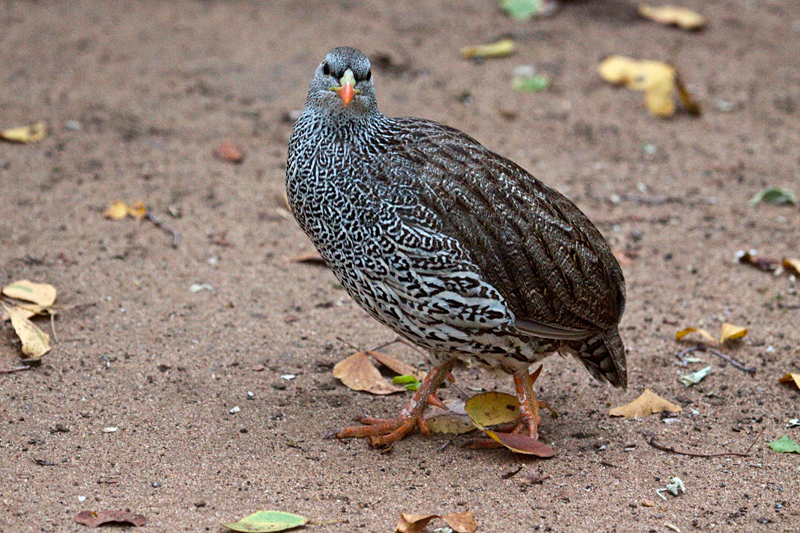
(345,90)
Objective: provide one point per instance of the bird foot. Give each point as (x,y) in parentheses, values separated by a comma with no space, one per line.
(382,432)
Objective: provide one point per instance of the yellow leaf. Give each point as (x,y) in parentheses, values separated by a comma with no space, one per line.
(501,48)
(792,265)
(116,211)
(673,16)
(703,333)
(659,81)
(492,408)
(461,522)
(35,342)
(454,421)
(137,210)
(25,134)
(647,404)
(791,378)
(358,373)
(413,523)
(731,332)
(617,69)
(38,293)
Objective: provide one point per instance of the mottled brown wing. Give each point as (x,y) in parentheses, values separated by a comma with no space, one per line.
(529,241)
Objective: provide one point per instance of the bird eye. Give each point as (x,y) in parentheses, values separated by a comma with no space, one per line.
(326,69)
(369,75)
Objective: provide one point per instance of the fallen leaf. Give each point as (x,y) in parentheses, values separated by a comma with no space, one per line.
(454,421)
(785,445)
(773,196)
(695,377)
(42,294)
(99,518)
(659,81)
(521,443)
(492,408)
(408,382)
(228,151)
(501,48)
(35,342)
(676,486)
(137,210)
(673,16)
(413,523)
(25,134)
(526,79)
(358,373)
(731,332)
(791,378)
(525,9)
(792,265)
(461,522)
(703,333)
(264,521)
(647,403)
(397,366)
(116,211)
(766,264)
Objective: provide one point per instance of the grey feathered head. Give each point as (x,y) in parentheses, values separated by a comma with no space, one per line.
(342,84)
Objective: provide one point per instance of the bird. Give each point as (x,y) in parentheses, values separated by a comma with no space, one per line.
(457,249)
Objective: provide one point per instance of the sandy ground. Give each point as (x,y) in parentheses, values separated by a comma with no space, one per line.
(152,87)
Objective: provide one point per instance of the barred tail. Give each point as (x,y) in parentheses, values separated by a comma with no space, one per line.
(604,356)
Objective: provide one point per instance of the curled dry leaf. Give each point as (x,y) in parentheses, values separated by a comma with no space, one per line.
(228,151)
(42,294)
(137,210)
(521,444)
(647,403)
(703,333)
(792,265)
(673,16)
(358,373)
(99,518)
(731,332)
(116,211)
(461,522)
(791,378)
(501,48)
(35,342)
(264,521)
(659,82)
(413,523)
(397,366)
(25,134)
(454,421)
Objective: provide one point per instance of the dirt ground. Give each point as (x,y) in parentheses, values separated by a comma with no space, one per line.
(138,94)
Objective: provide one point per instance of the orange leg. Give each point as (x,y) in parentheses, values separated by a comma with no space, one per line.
(383,432)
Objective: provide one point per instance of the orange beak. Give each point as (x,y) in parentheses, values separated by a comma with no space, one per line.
(346,93)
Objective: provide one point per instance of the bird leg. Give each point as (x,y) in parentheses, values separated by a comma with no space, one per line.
(383,432)
(529,418)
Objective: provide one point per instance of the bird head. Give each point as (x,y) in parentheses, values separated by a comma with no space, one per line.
(342,83)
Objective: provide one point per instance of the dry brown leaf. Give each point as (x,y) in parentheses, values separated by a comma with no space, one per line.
(358,373)
(99,518)
(116,211)
(492,408)
(731,332)
(42,294)
(703,333)
(137,210)
(792,265)
(461,522)
(395,365)
(228,151)
(647,404)
(791,378)
(521,443)
(673,16)
(501,48)
(454,421)
(413,523)
(25,134)
(35,342)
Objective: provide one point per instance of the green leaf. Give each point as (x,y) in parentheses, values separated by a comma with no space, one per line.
(408,382)
(773,196)
(533,83)
(522,9)
(264,521)
(785,445)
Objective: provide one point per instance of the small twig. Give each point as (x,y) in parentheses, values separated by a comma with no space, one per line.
(12,370)
(158,222)
(652,442)
(683,353)
(703,348)
(53,327)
